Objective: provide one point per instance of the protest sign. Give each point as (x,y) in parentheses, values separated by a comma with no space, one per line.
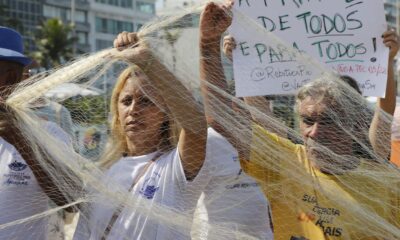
(341,35)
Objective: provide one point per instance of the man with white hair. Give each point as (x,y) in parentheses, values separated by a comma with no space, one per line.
(336,185)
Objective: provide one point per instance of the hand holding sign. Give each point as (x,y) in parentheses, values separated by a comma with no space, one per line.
(391,40)
(228,46)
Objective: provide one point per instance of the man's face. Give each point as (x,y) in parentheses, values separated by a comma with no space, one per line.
(322,134)
(9,74)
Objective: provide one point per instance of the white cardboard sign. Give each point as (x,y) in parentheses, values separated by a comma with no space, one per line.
(342,35)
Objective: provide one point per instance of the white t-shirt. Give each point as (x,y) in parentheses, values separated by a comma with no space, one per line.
(20,194)
(232,200)
(163,187)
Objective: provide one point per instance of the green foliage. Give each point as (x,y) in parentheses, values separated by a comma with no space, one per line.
(54,42)
(88,110)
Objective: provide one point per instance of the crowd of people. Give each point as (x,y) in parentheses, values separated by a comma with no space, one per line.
(170,152)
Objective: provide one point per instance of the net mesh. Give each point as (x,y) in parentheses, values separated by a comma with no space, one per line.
(166,151)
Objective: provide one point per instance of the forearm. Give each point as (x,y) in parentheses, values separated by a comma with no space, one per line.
(213,84)
(380,129)
(213,89)
(388,104)
(40,170)
(211,69)
(179,101)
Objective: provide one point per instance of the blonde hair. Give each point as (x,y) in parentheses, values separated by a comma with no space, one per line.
(117,144)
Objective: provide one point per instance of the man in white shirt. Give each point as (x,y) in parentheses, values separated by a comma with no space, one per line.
(21,195)
(25,184)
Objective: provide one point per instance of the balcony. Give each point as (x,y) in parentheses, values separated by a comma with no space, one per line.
(79,4)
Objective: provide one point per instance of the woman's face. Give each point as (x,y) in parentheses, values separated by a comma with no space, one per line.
(139,117)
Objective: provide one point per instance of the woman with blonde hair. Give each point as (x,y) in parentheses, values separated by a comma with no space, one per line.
(117,145)
(160,174)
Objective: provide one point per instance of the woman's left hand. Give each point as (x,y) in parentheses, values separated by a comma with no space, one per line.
(391,40)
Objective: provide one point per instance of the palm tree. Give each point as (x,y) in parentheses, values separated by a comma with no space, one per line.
(54,42)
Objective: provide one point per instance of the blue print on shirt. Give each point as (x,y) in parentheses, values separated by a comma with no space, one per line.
(17,166)
(149,191)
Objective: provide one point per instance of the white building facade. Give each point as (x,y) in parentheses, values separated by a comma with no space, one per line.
(99,21)
(110,17)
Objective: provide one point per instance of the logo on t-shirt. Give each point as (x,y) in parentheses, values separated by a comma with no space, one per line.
(323,217)
(17,176)
(17,166)
(242,185)
(148,191)
(235,158)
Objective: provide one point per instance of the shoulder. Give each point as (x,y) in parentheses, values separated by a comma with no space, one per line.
(264,139)
(120,164)
(217,143)
(221,157)
(369,165)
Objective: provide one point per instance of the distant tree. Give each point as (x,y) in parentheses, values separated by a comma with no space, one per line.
(88,110)
(54,42)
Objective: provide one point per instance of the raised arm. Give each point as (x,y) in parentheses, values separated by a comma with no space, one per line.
(214,21)
(193,136)
(380,129)
(388,104)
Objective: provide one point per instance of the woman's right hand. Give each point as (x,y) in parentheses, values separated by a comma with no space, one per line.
(228,46)
(125,39)
(133,49)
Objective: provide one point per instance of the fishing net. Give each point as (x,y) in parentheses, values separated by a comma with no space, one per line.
(124,158)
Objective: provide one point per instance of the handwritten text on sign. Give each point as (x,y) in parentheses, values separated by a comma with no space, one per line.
(343,35)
